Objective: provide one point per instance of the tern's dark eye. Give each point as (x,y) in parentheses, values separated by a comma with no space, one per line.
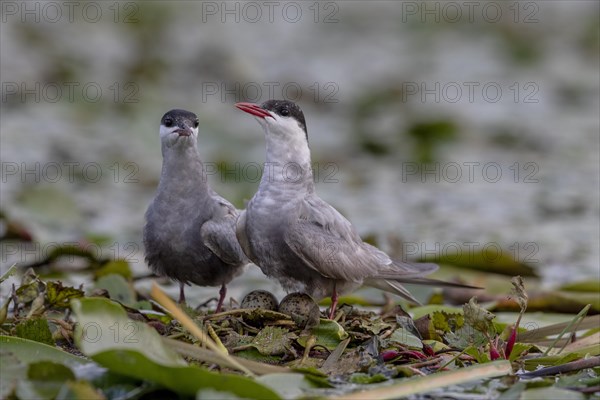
(168,122)
(285,112)
(196,123)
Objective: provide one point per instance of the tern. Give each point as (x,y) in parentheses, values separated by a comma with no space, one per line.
(300,240)
(189,234)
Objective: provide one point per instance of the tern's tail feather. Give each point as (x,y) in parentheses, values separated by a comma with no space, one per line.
(391,287)
(394,286)
(399,270)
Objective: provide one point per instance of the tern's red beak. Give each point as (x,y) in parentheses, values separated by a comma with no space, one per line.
(253,109)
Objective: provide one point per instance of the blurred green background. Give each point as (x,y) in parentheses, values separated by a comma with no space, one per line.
(432,124)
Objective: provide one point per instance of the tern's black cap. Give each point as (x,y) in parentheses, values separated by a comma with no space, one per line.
(286,108)
(180,118)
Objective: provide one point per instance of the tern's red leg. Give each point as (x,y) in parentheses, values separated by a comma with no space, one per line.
(181,293)
(222,294)
(334,301)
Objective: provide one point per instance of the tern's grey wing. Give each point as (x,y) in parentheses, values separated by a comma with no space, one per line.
(328,243)
(218,233)
(240,233)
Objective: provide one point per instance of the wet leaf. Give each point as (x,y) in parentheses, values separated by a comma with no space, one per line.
(424,384)
(61,296)
(119,267)
(374,325)
(16,354)
(10,272)
(478,317)
(518,350)
(118,288)
(465,336)
(288,386)
(328,333)
(533,363)
(550,393)
(49,371)
(80,390)
(447,322)
(4,310)
(405,338)
(44,390)
(421,311)
(365,379)
(133,349)
(35,329)
(590,285)
(273,341)
(28,292)
(260,316)
(254,355)
(490,260)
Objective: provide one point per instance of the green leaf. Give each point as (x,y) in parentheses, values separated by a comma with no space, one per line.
(11,271)
(16,353)
(288,386)
(489,259)
(49,371)
(30,389)
(28,292)
(551,393)
(273,341)
(365,379)
(118,288)
(478,317)
(546,361)
(590,285)
(447,322)
(79,391)
(424,384)
(119,267)
(406,338)
(36,329)
(44,380)
(419,312)
(519,349)
(254,355)
(134,349)
(465,336)
(59,295)
(328,333)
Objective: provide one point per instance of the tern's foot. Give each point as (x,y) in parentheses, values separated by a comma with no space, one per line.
(181,294)
(222,294)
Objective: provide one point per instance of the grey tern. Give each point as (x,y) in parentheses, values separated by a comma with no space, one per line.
(300,240)
(189,234)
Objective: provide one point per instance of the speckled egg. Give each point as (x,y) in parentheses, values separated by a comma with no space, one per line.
(260,299)
(302,308)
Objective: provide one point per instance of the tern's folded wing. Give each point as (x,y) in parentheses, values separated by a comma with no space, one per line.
(218,234)
(328,243)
